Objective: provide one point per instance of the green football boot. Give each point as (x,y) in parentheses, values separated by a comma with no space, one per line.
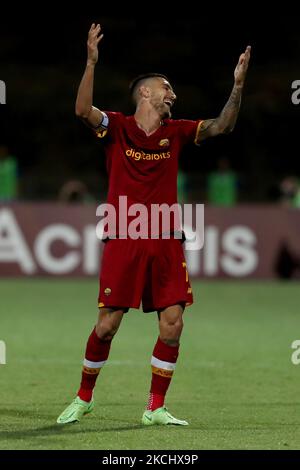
(161,416)
(75,411)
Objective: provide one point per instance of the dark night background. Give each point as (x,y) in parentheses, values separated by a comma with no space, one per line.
(42,61)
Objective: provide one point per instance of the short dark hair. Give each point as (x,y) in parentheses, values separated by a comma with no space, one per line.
(136,80)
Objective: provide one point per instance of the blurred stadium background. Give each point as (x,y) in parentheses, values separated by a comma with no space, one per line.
(236,374)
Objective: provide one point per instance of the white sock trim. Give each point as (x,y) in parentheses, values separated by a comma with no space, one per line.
(93,365)
(162,364)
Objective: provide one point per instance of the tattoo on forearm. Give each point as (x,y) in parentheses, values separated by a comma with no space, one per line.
(228,116)
(235,97)
(225,122)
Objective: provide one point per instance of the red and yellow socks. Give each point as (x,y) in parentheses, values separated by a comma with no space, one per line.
(96,355)
(163,363)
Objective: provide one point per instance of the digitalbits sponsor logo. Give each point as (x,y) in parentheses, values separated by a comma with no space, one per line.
(296,94)
(2,92)
(2,353)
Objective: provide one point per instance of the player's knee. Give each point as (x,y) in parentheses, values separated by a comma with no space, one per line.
(176,324)
(108,323)
(170,331)
(106,336)
(106,332)
(106,329)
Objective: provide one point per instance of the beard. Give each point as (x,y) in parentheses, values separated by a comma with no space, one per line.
(162,109)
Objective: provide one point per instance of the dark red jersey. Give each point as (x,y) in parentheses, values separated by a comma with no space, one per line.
(144,168)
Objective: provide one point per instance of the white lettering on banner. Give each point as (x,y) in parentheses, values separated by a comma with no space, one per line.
(241,258)
(13,247)
(90,250)
(232,251)
(211,252)
(46,237)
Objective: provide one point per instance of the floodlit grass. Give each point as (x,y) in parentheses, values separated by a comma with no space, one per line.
(234,382)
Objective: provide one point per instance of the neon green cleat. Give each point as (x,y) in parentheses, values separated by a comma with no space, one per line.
(75,411)
(161,416)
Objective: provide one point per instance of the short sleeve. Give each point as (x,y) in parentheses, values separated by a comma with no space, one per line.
(188,130)
(109,125)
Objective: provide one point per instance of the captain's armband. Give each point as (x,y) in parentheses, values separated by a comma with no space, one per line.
(102,128)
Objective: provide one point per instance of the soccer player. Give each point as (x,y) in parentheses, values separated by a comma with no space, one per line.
(142,154)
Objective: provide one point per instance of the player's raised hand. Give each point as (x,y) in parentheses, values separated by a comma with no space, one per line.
(94,38)
(242,66)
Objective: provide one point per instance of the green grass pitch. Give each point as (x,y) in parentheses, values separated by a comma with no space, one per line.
(234,382)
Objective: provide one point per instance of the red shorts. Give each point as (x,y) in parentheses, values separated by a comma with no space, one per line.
(152,271)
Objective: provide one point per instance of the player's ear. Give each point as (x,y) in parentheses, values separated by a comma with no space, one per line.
(144,91)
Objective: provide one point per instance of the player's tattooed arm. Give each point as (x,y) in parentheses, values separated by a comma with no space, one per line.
(225,122)
(84,108)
